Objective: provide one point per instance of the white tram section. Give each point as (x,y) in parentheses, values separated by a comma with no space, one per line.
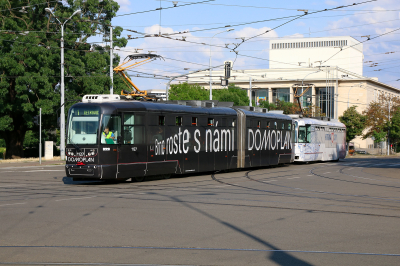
(318,140)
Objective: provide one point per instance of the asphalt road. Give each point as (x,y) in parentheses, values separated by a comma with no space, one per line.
(344,213)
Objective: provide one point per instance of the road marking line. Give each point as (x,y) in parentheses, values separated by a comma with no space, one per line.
(13,185)
(12,204)
(77,198)
(32,171)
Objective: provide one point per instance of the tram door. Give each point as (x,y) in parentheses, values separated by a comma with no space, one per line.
(132,150)
(108,153)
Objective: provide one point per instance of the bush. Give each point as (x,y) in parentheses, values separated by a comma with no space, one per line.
(2,153)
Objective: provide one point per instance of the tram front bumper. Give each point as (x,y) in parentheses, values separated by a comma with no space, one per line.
(83,171)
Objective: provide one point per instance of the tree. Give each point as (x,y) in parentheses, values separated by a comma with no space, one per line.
(354,122)
(232,94)
(268,105)
(185,91)
(395,127)
(313,111)
(378,118)
(30,61)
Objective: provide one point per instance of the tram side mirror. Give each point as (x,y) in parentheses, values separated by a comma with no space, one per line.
(119,139)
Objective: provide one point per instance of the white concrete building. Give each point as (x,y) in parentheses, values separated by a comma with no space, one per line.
(314,52)
(333,86)
(160,94)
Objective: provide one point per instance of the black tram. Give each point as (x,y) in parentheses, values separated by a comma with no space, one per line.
(111,138)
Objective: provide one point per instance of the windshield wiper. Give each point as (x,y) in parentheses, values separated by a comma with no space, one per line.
(74,144)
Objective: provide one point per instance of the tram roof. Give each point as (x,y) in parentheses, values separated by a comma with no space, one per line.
(311,121)
(269,115)
(111,107)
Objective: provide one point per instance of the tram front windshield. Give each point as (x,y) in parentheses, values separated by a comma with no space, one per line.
(83,125)
(304,134)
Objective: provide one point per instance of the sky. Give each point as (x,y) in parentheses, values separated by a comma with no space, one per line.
(197,29)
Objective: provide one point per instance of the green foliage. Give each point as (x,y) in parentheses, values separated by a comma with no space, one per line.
(2,143)
(2,152)
(268,105)
(31,139)
(354,122)
(185,91)
(30,61)
(395,127)
(232,94)
(379,136)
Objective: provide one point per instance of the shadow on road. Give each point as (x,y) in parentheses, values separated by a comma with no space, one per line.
(277,255)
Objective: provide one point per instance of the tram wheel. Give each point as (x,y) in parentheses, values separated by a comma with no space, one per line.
(138,178)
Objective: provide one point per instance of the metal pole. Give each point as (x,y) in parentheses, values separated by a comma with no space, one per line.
(111,61)
(210,59)
(62,118)
(251,93)
(388,145)
(40,135)
(336,94)
(167,88)
(62,115)
(210,73)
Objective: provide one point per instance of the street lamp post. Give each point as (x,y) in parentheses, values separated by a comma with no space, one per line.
(62,118)
(348,94)
(210,59)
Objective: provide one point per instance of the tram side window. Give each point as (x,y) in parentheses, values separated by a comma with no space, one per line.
(283,125)
(178,121)
(134,129)
(275,125)
(161,120)
(210,122)
(233,122)
(194,121)
(289,126)
(268,124)
(258,124)
(111,129)
(304,134)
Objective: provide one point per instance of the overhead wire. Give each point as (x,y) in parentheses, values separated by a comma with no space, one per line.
(147,11)
(264,7)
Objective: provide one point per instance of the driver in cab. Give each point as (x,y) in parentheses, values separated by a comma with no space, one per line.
(108,134)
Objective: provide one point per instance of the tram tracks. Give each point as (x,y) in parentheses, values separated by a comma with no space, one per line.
(352,199)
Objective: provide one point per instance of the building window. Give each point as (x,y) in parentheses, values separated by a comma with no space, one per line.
(261,96)
(325,100)
(306,99)
(281,94)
